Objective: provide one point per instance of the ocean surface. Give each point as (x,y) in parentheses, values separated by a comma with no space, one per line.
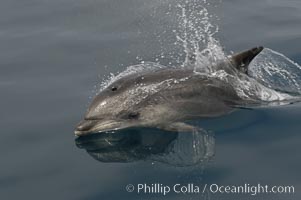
(55,54)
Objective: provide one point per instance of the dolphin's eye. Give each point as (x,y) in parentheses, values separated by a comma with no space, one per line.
(114,88)
(133,115)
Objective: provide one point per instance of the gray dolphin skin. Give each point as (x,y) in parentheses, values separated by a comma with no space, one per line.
(165,98)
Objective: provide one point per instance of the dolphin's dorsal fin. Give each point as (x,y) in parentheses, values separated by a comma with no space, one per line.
(242,60)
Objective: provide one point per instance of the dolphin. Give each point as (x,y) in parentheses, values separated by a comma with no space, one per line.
(165,98)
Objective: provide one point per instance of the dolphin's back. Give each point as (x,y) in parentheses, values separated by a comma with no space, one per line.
(187,94)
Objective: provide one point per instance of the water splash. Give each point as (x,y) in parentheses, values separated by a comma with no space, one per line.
(272,74)
(250,89)
(275,70)
(195,34)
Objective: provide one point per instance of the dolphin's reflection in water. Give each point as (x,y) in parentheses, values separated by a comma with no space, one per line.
(146,144)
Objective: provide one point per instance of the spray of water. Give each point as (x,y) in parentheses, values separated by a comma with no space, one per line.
(275,70)
(195,35)
(195,38)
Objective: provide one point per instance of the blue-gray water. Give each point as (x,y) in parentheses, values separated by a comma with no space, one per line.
(53,53)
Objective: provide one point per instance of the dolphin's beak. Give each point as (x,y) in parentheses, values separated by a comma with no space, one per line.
(84,127)
(89,126)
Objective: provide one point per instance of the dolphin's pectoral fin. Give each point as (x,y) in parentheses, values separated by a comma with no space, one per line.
(179,127)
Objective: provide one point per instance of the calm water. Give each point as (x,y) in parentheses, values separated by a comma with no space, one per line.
(53,53)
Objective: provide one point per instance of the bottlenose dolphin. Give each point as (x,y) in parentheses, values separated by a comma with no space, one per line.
(166,98)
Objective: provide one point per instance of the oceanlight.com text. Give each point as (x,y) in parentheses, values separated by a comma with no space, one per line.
(190,188)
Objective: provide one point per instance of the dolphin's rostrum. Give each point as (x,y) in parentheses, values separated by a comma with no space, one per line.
(165,98)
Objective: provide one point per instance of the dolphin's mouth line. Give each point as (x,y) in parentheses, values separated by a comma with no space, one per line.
(100,127)
(111,125)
